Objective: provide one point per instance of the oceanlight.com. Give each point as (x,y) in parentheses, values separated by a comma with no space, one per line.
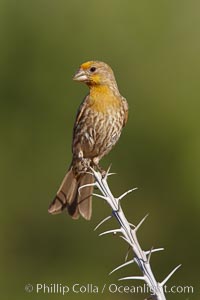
(90,288)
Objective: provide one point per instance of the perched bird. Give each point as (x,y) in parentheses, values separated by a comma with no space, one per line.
(98,125)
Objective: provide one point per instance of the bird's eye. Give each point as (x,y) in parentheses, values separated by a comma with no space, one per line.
(93,69)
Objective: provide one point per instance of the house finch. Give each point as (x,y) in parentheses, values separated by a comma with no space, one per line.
(98,125)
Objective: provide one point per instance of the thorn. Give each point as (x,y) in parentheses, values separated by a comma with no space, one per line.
(110,174)
(108,170)
(114,231)
(121,236)
(104,220)
(138,226)
(170,274)
(100,196)
(131,224)
(107,173)
(126,193)
(149,255)
(121,266)
(154,250)
(133,277)
(127,253)
(86,185)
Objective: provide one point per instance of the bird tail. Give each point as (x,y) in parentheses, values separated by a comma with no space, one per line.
(77,202)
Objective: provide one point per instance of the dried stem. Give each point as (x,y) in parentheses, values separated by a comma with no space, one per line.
(128,232)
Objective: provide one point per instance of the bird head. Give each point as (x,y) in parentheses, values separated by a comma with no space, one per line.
(95,73)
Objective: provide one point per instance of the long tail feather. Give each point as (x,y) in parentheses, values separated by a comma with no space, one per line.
(69,197)
(85,196)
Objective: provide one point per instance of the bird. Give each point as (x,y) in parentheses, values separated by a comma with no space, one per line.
(98,125)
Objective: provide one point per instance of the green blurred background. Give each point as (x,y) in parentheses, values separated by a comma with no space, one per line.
(154,50)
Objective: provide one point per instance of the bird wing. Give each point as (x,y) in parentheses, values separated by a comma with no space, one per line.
(80,111)
(79,114)
(125,106)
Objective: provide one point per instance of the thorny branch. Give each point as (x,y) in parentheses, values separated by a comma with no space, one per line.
(128,232)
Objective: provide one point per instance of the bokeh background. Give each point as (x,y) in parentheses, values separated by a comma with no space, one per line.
(154,50)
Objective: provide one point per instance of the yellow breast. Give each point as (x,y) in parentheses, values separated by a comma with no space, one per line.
(102,99)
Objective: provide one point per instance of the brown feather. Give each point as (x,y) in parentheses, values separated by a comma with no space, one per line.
(98,126)
(68,196)
(85,196)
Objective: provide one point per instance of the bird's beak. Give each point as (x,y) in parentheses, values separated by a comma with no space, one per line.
(80,75)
